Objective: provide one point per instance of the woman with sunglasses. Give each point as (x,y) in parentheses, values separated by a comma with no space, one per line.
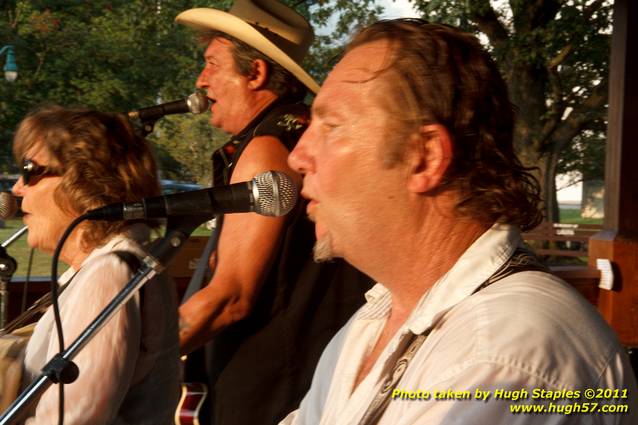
(74,161)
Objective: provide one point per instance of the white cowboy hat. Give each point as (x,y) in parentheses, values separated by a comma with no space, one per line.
(274,29)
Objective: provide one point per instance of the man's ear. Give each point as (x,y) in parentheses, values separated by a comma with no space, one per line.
(430,155)
(258,74)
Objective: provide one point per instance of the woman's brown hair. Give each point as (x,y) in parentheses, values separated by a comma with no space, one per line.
(99,157)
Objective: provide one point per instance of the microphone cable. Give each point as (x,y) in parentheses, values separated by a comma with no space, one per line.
(60,378)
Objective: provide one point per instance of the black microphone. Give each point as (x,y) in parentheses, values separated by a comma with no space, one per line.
(271,193)
(195,103)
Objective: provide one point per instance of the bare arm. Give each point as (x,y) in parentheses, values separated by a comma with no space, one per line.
(246,247)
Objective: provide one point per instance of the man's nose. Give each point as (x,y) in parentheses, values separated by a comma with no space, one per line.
(300,159)
(202,80)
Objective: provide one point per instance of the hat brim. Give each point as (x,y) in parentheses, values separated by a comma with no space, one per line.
(212,19)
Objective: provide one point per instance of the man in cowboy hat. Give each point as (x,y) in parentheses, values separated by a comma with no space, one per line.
(269,309)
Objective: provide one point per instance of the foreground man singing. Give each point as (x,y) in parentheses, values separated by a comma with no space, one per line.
(410,171)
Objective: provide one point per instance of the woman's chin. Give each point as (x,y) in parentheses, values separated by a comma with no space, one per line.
(33,242)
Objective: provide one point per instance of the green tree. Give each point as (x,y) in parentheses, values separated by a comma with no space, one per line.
(118,55)
(335,21)
(111,55)
(554,56)
(190,140)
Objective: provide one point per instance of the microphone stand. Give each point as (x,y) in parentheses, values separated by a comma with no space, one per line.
(17,235)
(60,368)
(8,266)
(147,127)
(141,126)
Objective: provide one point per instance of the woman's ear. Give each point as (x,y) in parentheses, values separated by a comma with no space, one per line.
(430,155)
(258,74)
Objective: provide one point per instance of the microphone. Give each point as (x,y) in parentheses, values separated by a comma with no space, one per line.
(8,205)
(9,208)
(271,193)
(195,103)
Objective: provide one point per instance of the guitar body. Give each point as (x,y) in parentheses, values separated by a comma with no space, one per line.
(190,404)
(12,348)
(194,406)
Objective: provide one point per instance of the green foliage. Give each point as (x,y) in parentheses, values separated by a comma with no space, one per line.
(343,17)
(111,55)
(119,55)
(554,57)
(574,216)
(585,155)
(191,140)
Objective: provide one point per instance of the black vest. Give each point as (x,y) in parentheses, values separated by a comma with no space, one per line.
(262,366)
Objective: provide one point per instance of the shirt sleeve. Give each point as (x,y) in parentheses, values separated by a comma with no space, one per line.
(107,362)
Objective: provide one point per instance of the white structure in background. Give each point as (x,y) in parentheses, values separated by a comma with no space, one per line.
(569,195)
(586,196)
(593,204)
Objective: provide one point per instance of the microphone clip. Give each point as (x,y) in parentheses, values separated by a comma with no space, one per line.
(143,127)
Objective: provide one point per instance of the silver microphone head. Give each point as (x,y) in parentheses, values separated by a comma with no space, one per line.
(274,192)
(197,103)
(8,205)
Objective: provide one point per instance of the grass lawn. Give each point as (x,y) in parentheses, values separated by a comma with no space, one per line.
(42,262)
(572,215)
(20,251)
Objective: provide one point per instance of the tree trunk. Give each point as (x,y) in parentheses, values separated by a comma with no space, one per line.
(552,212)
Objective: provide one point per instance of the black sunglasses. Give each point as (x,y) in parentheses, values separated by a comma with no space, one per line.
(33,173)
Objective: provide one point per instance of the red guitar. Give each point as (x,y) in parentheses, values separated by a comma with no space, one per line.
(190,404)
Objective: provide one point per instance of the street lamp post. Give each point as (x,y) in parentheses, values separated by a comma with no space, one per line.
(10,67)
(6,262)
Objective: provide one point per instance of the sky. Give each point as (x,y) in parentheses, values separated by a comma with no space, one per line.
(397,9)
(392,9)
